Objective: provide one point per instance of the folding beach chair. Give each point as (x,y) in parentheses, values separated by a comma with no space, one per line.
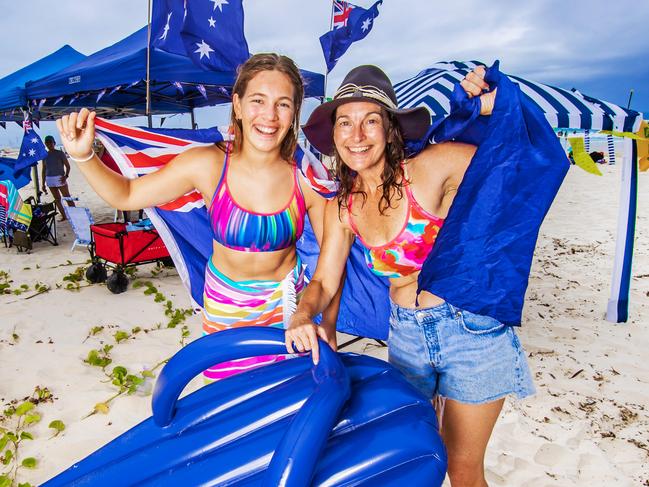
(80,220)
(43,225)
(4,231)
(15,217)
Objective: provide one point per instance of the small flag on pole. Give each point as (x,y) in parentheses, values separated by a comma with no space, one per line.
(202,90)
(351,24)
(117,88)
(101,94)
(179,87)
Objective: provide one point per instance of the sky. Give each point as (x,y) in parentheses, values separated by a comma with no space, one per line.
(599,47)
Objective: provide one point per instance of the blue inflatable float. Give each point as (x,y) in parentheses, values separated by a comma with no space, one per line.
(350,420)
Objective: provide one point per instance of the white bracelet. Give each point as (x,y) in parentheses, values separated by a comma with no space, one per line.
(85,159)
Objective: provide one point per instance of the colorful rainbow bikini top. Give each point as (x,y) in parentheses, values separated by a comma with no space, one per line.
(236,228)
(406,252)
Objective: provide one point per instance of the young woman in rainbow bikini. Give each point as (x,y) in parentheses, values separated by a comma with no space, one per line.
(256,197)
(397,207)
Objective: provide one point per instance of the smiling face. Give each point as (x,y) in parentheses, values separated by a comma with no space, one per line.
(360,135)
(266,110)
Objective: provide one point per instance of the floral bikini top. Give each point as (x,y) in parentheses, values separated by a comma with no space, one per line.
(405,253)
(239,229)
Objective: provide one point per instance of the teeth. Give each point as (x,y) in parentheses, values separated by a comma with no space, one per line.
(358,150)
(266,130)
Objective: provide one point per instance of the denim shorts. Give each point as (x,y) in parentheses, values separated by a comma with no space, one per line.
(456,354)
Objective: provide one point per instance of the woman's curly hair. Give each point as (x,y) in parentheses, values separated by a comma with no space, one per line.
(392,178)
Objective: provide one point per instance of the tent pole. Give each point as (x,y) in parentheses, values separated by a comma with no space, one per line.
(36,185)
(617,310)
(331,26)
(148,65)
(191,112)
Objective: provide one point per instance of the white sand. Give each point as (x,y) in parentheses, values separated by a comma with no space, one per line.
(586,426)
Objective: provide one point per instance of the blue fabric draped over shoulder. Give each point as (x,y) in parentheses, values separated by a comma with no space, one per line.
(482,257)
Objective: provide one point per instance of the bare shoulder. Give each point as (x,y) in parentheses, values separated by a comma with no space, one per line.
(201,156)
(338,216)
(311,196)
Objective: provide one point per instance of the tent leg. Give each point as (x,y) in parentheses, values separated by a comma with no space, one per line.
(191,112)
(618,304)
(37,187)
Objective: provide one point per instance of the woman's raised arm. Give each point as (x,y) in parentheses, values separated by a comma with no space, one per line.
(170,182)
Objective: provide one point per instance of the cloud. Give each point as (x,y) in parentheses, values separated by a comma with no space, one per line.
(599,47)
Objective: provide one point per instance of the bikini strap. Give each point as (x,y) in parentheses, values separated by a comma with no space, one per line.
(406,184)
(226,160)
(296,177)
(349,215)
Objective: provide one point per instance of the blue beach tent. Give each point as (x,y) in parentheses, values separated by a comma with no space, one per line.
(20,178)
(12,87)
(116,75)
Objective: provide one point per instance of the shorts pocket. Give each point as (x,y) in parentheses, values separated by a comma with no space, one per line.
(479,324)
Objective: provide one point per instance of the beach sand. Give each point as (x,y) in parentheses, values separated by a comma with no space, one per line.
(586,426)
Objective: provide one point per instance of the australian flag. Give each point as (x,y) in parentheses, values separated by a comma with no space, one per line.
(350,24)
(209,32)
(32,149)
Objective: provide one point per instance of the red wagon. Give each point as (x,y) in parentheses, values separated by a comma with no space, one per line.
(116,246)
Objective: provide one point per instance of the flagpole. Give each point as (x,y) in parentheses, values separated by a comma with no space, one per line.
(148,65)
(331,26)
(37,187)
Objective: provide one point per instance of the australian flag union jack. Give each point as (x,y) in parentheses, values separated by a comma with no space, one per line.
(350,24)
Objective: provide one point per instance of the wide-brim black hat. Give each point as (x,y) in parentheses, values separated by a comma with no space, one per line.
(364,83)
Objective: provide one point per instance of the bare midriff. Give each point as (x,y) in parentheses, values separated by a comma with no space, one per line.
(255,266)
(403,291)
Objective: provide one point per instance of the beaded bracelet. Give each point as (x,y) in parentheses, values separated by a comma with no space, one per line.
(85,159)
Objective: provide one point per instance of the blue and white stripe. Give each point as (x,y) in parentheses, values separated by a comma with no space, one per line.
(432,88)
(610,143)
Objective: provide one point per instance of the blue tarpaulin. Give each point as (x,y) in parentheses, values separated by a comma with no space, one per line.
(12,87)
(123,65)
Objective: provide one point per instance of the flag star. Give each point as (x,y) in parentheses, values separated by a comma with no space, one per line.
(219,4)
(212,22)
(204,49)
(34,140)
(166,28)
(366,24)
(32,152)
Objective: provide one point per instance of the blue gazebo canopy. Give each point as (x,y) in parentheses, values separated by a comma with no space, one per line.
(123,65)
(12,87)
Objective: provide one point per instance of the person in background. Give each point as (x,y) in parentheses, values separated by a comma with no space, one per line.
(56,170)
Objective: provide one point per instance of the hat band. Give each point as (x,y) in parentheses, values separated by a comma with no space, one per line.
(350,89)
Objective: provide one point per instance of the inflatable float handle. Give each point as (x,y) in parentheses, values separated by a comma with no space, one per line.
(220,347)
(297,454)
